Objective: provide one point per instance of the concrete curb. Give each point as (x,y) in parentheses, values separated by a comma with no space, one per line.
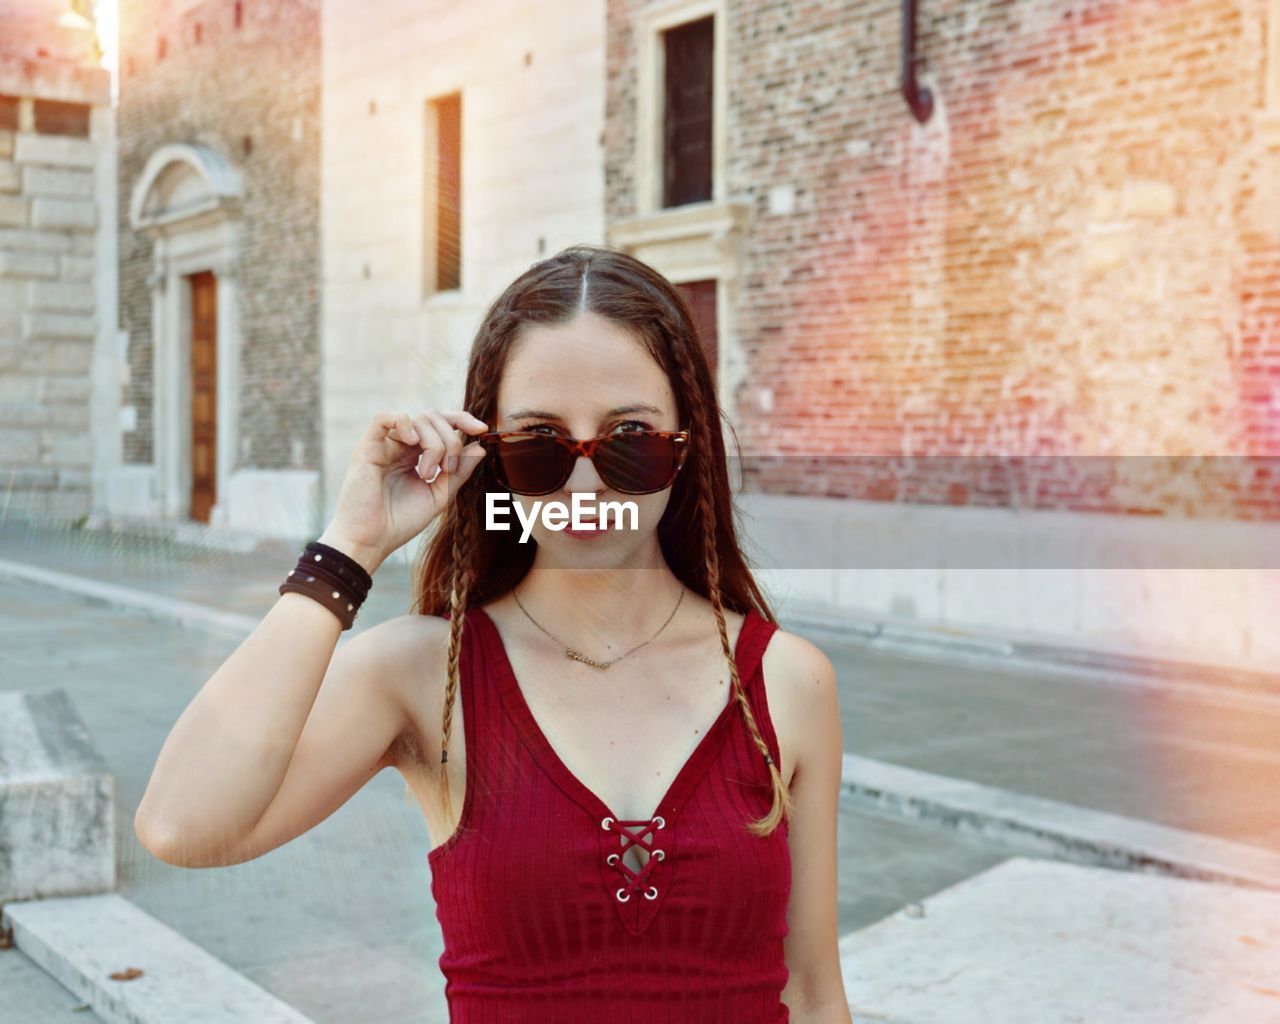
(1225,687)
(1065,831)
(82,941)
(165,609)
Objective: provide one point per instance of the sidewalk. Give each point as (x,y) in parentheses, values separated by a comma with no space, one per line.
(340,924)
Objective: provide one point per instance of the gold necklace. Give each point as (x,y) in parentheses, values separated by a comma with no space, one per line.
(575,655)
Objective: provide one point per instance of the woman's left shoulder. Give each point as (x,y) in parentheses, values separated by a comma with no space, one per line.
(800,687)
(795,662)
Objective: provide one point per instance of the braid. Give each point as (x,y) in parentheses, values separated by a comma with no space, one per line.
(464,547)
(458,587)
(699,431)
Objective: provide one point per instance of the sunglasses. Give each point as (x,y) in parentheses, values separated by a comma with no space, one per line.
(633,462)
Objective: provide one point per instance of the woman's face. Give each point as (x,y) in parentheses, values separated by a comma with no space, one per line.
(580,380)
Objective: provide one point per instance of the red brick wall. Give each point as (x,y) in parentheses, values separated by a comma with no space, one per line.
(1066,261)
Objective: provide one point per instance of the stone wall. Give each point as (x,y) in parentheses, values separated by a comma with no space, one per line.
(55,131)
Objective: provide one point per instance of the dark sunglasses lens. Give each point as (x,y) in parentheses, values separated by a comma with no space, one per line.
(637,463)
(533,463)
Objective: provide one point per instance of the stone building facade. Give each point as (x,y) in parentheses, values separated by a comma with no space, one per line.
(462,143)
(219,206)
(1073,258)
(57,256)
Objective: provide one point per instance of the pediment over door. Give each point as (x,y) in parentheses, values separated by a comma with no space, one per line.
(182,182)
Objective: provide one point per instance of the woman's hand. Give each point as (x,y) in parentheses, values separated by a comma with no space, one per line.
(403,473)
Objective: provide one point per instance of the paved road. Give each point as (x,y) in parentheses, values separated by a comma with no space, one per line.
(343,916)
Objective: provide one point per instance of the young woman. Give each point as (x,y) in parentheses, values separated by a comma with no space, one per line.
(629,774)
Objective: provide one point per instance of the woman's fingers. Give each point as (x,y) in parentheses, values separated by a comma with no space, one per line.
(441,446)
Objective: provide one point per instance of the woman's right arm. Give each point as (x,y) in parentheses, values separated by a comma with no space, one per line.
(229,753)
(285,731)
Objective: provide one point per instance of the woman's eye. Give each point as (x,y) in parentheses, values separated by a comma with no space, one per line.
(636,423)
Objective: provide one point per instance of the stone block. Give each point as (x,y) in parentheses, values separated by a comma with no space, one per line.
(56,181)
(6,143)
(13,211)
(28,264)
(77,268)
(57,150)
(24,414)
(39,241)
(73,357)
(76,214)
(68,450)
(57,801)
(57,325)
(60,297)
(19,445)
(10,180)
(67,389)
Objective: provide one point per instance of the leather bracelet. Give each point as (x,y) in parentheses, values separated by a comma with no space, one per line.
(332,578)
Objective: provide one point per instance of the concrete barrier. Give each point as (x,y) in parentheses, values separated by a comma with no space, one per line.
(57,801)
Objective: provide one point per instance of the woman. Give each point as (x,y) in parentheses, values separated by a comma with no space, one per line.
(635,817)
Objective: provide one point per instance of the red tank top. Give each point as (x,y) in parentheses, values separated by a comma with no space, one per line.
(542,918)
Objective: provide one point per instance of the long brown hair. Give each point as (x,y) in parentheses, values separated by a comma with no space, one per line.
(465,566)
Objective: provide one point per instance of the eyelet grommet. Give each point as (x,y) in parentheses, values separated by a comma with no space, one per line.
(611,858)
(621,898)
(662,822)
(654,890)
(604,824)
(660,855)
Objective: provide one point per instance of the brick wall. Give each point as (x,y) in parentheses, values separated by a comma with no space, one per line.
(1076,256)
(252,92)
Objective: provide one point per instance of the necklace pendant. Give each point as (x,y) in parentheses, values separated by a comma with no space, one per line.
(573,655)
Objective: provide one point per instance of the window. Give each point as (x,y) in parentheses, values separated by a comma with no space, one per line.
(54,117)
(688,61)
(442,196)
(9,113)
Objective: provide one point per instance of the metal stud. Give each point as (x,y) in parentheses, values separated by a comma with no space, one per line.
(336,595)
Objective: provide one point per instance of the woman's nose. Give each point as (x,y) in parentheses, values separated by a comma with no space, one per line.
(584,477)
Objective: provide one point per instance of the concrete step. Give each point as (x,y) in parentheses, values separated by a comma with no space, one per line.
(1037,940)
(133,969)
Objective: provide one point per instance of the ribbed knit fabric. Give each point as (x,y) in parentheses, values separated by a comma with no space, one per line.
(529,904)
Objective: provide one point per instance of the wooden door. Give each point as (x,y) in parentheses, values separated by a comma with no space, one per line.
(701,296)
(204,394)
